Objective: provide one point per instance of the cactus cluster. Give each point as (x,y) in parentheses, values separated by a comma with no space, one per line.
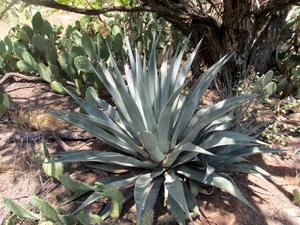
(42,49)
(270,85)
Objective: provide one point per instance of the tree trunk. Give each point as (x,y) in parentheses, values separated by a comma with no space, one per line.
(251,32)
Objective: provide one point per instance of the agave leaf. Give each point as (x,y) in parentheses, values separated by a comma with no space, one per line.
(191,173)
(205,116)
(107,180)
(176,210)
(175,190)
(46,210)
(131,58)
(113,113)
(227,138)
(131,108)
(176,65)
(124,183)
(108,125)
(191,200)
(89,124)
(192,99)
(88,218)
(166,88)
(144,98)
(130,81)
(218,160)
(244,168)
(21,211)
(90,108)
(151,145)
(194,187)
(103,157)
(153,84)
(163,80)
(105,77)
(153,195)
(187,66)
(164,120)
(228,186)
(145,192)
(246,151)
(117,71)
(193,151)
(107,167)
(91,199)
(222,124)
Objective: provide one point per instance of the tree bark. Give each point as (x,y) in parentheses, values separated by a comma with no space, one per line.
(250,30)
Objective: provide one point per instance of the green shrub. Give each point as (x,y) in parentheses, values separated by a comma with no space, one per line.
(161,140)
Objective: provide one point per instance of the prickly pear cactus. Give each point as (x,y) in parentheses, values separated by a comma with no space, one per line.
(4,103)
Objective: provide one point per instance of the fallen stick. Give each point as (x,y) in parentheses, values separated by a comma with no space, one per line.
(8,137)
(19,75)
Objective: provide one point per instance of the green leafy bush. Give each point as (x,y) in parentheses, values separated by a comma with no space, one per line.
(162,142)
(43,212)
(288,56)
(271,85)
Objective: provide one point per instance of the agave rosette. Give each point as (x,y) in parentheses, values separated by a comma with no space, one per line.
(161,140)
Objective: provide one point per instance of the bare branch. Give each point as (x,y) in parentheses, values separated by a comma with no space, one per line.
(275,6)
(12,136)
(55,5)
(19,75)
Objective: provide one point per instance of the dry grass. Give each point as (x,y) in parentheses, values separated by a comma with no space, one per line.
(26,119)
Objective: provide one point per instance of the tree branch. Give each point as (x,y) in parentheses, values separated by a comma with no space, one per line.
(55,5)
(275,6)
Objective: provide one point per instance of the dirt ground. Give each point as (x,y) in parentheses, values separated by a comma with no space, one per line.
(20,176)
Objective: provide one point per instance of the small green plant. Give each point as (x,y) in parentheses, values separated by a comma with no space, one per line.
(4,103)
(45,213)
(48,51)
(162,142)
(296,197)
(280,131)
(270,85)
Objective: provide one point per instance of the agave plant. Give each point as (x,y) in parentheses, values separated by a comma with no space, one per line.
(162,142)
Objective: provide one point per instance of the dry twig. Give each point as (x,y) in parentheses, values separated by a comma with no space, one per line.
(19,75)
